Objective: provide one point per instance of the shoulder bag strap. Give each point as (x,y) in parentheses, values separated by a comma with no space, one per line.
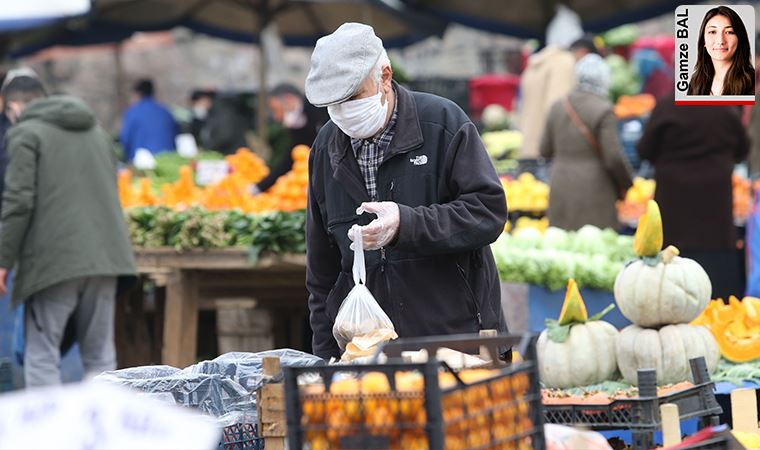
(589,137)
(582,126)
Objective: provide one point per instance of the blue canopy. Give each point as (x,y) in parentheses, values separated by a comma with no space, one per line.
(299,22)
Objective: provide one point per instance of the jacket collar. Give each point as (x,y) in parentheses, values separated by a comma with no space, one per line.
(408,136)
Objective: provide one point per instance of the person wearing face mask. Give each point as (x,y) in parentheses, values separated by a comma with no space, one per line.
(410,169)
(301,122)
(724,58)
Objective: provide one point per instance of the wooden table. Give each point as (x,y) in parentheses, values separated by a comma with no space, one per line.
(198,279)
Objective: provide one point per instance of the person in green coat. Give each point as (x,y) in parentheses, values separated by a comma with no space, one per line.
(62,229)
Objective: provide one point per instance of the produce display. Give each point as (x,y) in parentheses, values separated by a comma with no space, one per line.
(636,198)
(667,350)
(576,350)
(502,147)
(159,226)
(638,105)
(232,192)
(591,256)
(603,393)
(526,193)
(487,408)
(660,288)
(735,326)
(168,166)
(742,196)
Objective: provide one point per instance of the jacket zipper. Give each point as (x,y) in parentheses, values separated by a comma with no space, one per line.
(472,295)
(383,262)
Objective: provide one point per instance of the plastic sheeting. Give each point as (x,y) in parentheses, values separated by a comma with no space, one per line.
(224,388)
(245,368)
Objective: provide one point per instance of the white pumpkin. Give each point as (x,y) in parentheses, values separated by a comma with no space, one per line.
(673,292)
(667,350)
(586,357)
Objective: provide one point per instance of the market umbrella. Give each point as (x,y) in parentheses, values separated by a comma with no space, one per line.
(299,22)
(530,18)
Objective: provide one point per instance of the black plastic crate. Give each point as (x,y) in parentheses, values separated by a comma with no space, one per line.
(642,414)
(241,436)
(500,411)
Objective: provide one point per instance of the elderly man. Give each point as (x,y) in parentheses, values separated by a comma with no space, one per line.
(415,161)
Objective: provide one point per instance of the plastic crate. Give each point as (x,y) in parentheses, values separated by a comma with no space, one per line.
(241,436)
(502,411)
(642,415)
(6,375)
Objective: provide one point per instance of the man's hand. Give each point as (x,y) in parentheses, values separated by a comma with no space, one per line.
(381,231)
(3,281)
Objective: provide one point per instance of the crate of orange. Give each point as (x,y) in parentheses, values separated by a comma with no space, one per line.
(409,406)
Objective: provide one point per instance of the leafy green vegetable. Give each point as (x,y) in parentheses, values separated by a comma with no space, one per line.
(279,232)
(592,256)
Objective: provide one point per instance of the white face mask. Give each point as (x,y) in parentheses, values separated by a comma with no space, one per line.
(360,118)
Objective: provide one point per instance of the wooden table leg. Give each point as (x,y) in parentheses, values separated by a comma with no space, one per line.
(180,319)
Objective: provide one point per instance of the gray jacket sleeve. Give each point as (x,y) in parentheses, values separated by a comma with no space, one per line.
(476,214)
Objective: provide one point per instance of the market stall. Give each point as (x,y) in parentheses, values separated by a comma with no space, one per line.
(203,279)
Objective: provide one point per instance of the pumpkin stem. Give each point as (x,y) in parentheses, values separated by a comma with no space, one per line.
(669,253)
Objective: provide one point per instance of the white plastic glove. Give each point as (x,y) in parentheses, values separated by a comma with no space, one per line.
(381,231)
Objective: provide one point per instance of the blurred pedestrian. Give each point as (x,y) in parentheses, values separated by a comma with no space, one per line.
(5,123)
(201,102)
(693,150)
(416,162)
(549,76)
(147,124)
(583,46)
(301,121)
(63,229)
(589,171)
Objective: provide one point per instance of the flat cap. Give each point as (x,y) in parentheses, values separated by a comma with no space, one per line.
(340,63)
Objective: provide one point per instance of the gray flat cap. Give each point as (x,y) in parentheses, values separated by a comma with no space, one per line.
(340,63)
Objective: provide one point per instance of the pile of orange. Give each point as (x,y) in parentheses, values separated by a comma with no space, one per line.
(182,193)
(489,411)
(248,165)
(232,192)
(141,195)
(289,191)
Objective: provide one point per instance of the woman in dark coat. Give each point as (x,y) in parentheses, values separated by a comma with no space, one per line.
(693,150)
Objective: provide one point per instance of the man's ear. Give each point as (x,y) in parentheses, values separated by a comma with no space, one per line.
(387,76)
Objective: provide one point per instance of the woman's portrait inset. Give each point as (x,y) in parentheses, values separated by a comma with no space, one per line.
(724,58)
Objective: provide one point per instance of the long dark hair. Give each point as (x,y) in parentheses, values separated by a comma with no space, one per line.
(740,79)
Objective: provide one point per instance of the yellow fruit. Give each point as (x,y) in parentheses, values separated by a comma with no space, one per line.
(648,238)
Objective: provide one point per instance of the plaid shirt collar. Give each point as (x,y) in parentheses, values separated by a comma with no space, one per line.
(369,152)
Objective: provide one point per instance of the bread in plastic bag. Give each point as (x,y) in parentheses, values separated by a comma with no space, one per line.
(359,314)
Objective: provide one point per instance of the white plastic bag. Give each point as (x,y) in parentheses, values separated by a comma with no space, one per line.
(360,314)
